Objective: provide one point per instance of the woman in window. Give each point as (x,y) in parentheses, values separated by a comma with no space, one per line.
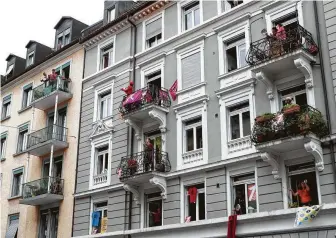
(239,205)
(303,192)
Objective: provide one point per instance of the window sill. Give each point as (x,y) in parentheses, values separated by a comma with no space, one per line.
(190,88)
(15,197)
(19,153)
(24,109)
(102,120)
(4,119)
(233,72)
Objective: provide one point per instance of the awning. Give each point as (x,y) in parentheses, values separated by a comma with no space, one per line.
(12,229)
(10,68)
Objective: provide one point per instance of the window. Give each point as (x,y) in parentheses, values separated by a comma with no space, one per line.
(9,72)
(63,38)
(110,14)
(191,70)
(48,223)
(59,41)
(3,145)
(235,54)
(57,167)
(66,37)
(17,182)
(27,95)
(303,185)
(153,32)
(22,138)
(64,70)
(13,225)
(193,134)
(191,15)
(106,57)
(154,79)
(195,202)
(30,59)
(102,160)
(289,21)
(239,119)
(154,210)
(297,94)
(6,106)
(244,194)
(105,105)
(99,218)
(227,5)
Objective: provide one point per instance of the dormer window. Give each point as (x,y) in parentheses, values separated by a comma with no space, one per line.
(9,72)
(63,39)
(110,14)
(30,59)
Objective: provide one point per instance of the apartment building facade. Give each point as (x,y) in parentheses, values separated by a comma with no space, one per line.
(39,126)
(150,166)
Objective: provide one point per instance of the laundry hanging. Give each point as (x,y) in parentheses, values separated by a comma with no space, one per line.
(306,214)
(192,191)
(232,224)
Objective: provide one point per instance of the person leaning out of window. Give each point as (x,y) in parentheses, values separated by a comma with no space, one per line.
(303,192)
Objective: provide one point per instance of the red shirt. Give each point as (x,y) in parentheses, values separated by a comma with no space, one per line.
(128,90)
(281,34)
(304,196)
(192,194)
(52,76)
(157,216)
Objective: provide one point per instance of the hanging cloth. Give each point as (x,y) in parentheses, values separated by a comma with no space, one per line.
(232,224)
(192,191)
(95,218)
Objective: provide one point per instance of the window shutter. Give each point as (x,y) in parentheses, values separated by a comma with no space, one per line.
(154,28)
(65,65)
(191,70)
(28,86)
(7,99)
(18,171)
(23,128)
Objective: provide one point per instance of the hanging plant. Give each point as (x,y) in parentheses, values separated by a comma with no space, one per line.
(289,109)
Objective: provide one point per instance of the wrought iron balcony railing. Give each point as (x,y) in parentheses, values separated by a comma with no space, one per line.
(143,162)
(49,87)
(144,97)
(293,120)
(53,132)
(47,185)
(273,47)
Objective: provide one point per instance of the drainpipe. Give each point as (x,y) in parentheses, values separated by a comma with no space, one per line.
(331,144)
(134,33)
(78,134)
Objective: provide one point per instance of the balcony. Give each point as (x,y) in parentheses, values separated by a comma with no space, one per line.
(44,95)
(42,191)
(41,141)
(273,55)
(146,167)
(296,129)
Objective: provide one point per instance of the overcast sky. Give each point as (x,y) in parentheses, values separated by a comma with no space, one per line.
(22,20)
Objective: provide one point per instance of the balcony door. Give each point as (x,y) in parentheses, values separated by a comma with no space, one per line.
(59,130)
(56,168)
(48,223)
(156,141)
(154,83)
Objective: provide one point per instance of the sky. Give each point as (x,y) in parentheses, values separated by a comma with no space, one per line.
(22,21)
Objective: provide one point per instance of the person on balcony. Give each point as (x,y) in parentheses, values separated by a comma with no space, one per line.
(129,89)
(149,151)
(303,192)
(275,45)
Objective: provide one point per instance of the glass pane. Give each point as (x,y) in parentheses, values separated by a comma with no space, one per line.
(188,21)
(242,53)
(231,55)
(201,206)
(190,139)
(100,164)
(239,198)
(252,198)
(155,213)
(199,137)
(301,99)
(106,162)
(102,109)
(196,17)
(44,226)
(235,131)
(246,124)
(109,107)
(191,210)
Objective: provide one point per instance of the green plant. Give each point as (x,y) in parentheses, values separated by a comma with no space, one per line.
(265,117)
(288,106)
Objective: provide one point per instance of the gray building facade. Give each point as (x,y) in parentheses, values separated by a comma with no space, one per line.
(151,166)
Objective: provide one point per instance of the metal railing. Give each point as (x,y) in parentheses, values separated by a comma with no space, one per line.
(47,185)
(49,87)
(143,162)
(52,132)
(290,122)
(273,47)
(144,97)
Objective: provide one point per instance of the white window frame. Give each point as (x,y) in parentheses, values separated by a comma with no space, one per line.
(147,200)
(221,9)
(188,127)
(180,15)
(291,95)
(94,201)
(4,146)
(98,153)
(105,110)
(235,171)
(95,144)
(9,109)
(182,116)
(22,182)
(186,205)
(111,14)
(99,90)
(145,45)
(29,97)
(24,140)
(101,47)
(31,54)
(227,35)
(147,70)
(282,10)
(181,54)
(237,45)
(240,113)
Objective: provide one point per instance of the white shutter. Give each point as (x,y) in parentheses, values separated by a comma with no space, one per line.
(191,70)
(154,28)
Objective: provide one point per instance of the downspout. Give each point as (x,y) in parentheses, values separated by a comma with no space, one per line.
(134,33)
(78,134)
(331,144)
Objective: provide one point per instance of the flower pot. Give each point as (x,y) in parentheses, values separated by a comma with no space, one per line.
(263,118)
(160,167)
(291,110)
(260,138)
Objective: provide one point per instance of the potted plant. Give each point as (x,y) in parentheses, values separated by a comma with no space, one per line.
(132,166)
(292,108)
(264,117)
(160,167)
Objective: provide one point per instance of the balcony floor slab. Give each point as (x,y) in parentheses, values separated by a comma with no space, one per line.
(48,101)
(45,147)
(42,199)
